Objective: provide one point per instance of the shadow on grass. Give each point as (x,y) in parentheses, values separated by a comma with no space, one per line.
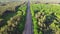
(49,19)
(6,16)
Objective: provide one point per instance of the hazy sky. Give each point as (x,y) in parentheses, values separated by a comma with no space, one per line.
(31,0)
(35,0)
(10,0)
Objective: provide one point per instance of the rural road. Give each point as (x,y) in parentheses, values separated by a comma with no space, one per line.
(28,25)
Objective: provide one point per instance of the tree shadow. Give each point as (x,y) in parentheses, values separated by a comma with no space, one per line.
(49,19)
(8,14)
(2,23)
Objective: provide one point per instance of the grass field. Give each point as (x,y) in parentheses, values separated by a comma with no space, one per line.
(11,6)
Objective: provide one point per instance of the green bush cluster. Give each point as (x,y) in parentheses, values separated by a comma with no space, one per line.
(45,18)
(13,22)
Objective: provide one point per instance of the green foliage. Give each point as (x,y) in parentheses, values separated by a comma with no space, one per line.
(45,18)
(22,12)
(15,21)
(40,32)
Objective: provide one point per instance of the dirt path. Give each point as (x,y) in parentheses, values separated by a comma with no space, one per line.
(28,25)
